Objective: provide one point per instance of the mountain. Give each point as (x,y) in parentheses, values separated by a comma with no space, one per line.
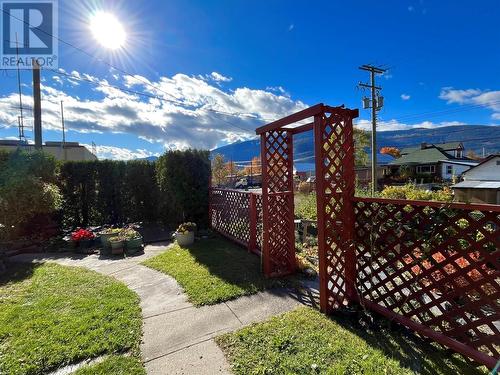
(474,137)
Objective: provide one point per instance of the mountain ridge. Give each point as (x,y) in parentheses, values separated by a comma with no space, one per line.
(474,137)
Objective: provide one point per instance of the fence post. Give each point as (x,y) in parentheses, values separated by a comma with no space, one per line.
(348,212)
(252,243)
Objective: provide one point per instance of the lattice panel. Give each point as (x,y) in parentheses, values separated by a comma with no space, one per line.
(277,201)
(334,186)
(435,264)
(258,206)
(231,213)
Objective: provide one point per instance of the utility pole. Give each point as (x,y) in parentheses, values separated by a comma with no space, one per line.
(37,105)
(63,133)
(375,103)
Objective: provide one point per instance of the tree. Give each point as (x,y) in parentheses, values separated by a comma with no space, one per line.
(472,155)
(254,167)
(219,170)
(361,142)
(231,168)
(392,151)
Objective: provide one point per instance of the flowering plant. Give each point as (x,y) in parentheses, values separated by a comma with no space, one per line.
(82,234)
(130,234)
(184,228)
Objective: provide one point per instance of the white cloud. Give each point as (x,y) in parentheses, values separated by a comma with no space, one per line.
(396,125)
(217,77)
(120,153)
(487,98)
(405,96)
(182,111)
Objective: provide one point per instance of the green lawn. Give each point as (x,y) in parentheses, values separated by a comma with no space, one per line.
(305,341)
(114,365)
(213,271)
(52,315)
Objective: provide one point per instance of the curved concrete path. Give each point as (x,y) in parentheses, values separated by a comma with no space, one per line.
(177,337)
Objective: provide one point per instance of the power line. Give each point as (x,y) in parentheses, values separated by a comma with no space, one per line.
(130,91)
(134,76)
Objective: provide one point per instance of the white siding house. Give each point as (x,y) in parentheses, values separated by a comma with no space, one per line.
(481,184)
(451,168)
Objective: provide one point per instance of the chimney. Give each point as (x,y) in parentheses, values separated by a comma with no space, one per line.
(37,108)
(423,145)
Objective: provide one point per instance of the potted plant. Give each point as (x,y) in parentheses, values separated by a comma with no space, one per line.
(106,234)
(184,235)
(116,243)
(133,241)
(83,237)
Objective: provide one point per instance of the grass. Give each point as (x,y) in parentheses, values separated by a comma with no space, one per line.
(213,270)
(305,341)
(52,315)
(114,365)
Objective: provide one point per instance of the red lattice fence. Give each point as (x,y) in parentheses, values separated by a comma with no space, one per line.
(433,267)
(237,215)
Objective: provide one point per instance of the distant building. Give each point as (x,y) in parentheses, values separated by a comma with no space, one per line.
(72,151)
(435,161)
(481,184)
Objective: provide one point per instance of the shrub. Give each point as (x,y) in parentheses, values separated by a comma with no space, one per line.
(305,207)
(173,189)
(411,192)
(183,179)
(26,190)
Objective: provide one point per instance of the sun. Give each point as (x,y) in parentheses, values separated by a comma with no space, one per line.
(107,30)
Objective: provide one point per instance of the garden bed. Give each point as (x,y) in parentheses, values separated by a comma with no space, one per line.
(52,315)
(213,270)
(305,341)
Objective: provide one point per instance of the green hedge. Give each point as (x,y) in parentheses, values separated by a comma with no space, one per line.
(171,190)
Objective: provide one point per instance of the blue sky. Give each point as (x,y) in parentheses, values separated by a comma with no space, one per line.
(217,69)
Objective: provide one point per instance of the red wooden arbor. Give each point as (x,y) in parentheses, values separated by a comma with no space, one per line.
(431,266)
(334,149)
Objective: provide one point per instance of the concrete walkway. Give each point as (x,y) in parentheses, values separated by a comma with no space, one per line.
(177,337)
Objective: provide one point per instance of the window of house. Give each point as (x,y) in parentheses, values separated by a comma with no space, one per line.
(426,169)
(449,169)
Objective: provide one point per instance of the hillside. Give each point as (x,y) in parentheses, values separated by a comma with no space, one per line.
(474,137)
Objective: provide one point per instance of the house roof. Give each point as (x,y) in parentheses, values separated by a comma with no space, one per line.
(485,160)
(449,145)
(426,156)
(461,162)
(477,185)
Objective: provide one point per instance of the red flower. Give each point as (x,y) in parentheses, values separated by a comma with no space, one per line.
(82,234)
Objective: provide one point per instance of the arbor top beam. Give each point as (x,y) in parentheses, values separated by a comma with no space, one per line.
(302,115)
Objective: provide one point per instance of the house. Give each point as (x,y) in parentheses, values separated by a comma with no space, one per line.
(481,184)
(437,162)
(72,151)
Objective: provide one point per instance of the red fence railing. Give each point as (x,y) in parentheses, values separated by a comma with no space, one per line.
(237,215)
(433,267)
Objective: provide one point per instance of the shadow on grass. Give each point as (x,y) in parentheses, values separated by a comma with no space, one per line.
(231,263)
(17,272)
(421,355)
